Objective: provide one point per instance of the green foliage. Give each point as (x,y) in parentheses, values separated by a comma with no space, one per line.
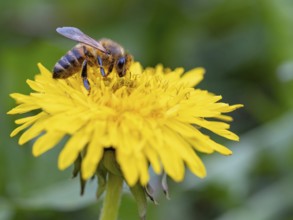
(247,49)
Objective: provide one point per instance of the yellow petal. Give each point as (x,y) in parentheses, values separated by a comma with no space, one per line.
(72,148)
(220,148)
(30,119)
(142,165)
(33,131)
(219,128)
(185,152)
(193,77)
(23,108)
(129,168)
(46,142)
(184,129)
(196,166)
(20,98)
(153,159)
(224,118)
(35,85)
(92,157)
(44,71)
(172,161)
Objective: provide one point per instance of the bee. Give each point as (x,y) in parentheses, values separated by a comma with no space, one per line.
(104,54)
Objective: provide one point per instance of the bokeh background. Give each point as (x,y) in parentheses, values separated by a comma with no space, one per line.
(247,50)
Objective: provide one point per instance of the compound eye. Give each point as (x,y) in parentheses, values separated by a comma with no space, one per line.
(121,62)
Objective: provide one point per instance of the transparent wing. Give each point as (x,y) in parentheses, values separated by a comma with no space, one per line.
(77,35)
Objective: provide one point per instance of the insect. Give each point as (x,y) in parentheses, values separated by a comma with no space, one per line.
(104,53)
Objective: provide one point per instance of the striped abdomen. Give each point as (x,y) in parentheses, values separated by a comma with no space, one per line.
(72,61)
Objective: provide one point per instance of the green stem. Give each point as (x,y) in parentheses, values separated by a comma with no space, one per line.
(112,197)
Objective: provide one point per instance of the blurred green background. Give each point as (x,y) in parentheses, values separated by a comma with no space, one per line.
(247,50)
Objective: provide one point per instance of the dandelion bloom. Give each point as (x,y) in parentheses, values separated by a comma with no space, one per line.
(151,117)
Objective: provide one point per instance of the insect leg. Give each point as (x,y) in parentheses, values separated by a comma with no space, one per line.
(100,62)
(110,68)
(84,75)
(112,62)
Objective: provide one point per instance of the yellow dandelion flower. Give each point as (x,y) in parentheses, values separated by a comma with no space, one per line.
(151,117)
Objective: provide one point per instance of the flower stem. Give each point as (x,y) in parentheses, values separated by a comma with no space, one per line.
(112,197)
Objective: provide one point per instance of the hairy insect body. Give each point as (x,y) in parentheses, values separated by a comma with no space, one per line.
(72,61)
(112,56)
(105,54)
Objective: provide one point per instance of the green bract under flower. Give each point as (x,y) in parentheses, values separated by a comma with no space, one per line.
(150,117)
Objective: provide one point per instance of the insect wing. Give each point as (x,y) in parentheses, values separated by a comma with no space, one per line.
(77,35)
